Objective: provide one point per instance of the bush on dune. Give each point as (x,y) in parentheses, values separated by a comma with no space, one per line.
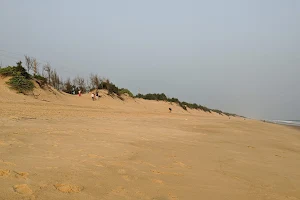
(184,105)
(18,70)
(230,114)
(113,89)
(218,111)
(8,71)
(173,100)
(110,87)
(205,109)
(42,81)
(21,84)
(21,80)
(125,91)
(157,97)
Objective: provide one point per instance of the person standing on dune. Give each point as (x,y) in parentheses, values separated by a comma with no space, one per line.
(97,94)
(79,93)
(93,96)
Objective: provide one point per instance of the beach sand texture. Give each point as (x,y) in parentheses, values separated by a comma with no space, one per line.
(58,146)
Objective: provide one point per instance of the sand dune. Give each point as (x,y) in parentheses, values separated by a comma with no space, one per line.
(59,146)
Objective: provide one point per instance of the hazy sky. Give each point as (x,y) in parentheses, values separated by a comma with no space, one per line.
(235,55)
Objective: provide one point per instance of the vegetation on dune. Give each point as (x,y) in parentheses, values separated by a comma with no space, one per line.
(68,87)
(184,105)
(110,87)
(17,70)
(8,71)
(42,81)
(100,83)
(157,97)
(125,91)
(21,84)
(22,81)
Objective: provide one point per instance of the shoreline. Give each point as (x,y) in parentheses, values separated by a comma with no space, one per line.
(292,126)
(297,127)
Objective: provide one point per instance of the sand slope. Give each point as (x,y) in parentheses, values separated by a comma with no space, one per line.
(70,147)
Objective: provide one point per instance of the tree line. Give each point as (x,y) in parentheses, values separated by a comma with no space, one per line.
(50,76)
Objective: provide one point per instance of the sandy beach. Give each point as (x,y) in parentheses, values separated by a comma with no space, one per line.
(60,146)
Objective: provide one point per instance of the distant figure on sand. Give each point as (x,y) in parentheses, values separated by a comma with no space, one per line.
(97,94)
(79,93)
(93,96)
(170,109)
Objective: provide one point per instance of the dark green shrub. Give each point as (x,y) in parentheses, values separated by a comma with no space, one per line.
(15,71)
(42,81)
(182,105)
(173,100)
(205,109)
(157,97)
(229,114)
(161,97)
(22,71)
(218,111)
(21,84)
(8,71)
(113,89)
(141,96)
(125,91)
(101,85)
(150,97)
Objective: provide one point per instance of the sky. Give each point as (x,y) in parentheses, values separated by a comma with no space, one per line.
(240,56)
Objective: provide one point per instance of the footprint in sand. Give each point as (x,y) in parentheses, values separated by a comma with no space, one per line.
(4,172)
(157,181)
(99,165)
(279,156)
(126,178)
(8,163)
(122,171)
(23,189)
(21,175)
(156,172)
(119,191)
(182,165)
(167,173)
(67,188)
(172,197)
(124,174)
(160,198)
(94,156)
(43,185)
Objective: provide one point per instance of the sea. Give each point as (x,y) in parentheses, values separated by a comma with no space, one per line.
(286,122)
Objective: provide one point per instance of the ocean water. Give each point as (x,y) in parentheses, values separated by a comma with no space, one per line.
(287,122)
